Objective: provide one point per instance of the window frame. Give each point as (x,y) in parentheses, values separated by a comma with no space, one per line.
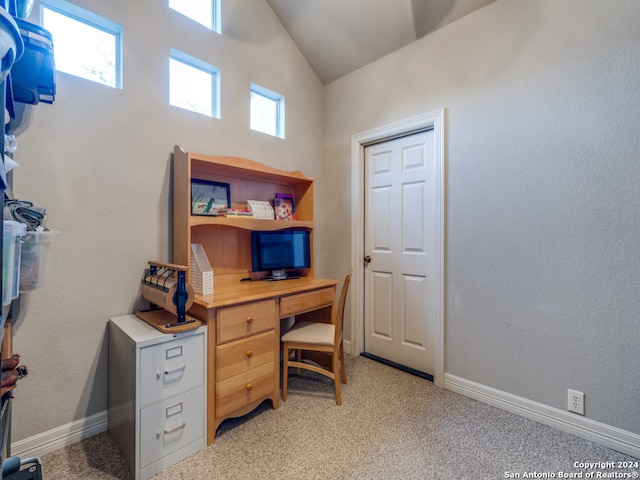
(216,16)
(91,19)
(278,99)
(198,64)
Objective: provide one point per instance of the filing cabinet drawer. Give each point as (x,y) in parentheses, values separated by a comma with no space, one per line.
(237,357)
(243,320)
(171,367)
(306,302)
(167,426)
(240,390)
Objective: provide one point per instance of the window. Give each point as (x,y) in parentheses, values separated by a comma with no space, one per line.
(267,111)
(193,84)
(205,12)
(85,44)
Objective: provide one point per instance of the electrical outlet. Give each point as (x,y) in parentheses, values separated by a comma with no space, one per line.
(576,402)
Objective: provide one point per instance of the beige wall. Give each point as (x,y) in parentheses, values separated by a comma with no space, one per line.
(98,159)
(542,218)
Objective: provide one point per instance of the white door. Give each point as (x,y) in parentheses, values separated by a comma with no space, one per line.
(400,236)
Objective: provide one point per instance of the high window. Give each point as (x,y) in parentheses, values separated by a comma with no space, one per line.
(85,44)
(205,12)
(193,84)
(267,111)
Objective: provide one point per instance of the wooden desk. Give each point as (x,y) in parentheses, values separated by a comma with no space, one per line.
(243,347)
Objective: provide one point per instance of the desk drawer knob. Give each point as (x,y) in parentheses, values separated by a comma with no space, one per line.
(249,387)
(249,353)
(249,320)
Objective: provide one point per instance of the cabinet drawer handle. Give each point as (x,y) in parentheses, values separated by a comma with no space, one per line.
(249,353)
(249,387)
(172,430)
(175,370)
(249,320)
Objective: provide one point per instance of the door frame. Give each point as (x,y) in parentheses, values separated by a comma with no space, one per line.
(359,141)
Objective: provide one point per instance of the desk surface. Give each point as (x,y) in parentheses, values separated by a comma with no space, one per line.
(233,292)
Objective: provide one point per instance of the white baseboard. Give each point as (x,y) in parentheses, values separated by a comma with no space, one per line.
(600,433)
(347,347)
(60,437)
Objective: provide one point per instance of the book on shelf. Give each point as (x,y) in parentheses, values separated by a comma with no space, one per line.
(239,213)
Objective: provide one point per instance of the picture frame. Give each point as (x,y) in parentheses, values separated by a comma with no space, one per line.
(288,196)
(209,198)
(283,208)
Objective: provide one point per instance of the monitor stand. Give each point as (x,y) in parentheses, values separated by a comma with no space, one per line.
(281,275)
(278,275)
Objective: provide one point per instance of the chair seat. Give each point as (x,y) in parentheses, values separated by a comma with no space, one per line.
(311,332)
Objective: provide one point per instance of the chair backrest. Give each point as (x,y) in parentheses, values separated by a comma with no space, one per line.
(340,310)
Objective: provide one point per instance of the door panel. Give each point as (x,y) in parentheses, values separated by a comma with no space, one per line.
(414,327)
(382,305)
(383,224)
(398,215)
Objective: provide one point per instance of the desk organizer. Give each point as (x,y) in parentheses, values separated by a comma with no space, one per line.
(201,275)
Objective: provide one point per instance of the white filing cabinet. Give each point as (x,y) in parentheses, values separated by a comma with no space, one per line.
(157,394)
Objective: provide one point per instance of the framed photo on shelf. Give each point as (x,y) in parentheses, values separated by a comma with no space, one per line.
(284,208)
(288,196)
(209,198)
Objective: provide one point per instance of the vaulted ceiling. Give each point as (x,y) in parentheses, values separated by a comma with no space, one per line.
(340,36)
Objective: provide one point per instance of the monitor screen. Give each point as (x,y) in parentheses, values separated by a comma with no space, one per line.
(280,250)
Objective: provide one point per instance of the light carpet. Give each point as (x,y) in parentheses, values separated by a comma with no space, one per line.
(392,425)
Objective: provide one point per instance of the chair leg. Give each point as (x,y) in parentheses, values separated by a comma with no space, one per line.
(342,369)
(336,378)
(298,359)
(285,371)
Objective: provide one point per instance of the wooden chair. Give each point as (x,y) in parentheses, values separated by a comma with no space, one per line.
(318,337)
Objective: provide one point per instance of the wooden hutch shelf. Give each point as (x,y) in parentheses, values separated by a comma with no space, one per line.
(227,240)
(249,223)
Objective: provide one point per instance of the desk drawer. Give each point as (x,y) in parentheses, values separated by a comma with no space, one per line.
(171,367)
(239,391)
(306,302)
(167,426)
(237,357)
(244,320)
